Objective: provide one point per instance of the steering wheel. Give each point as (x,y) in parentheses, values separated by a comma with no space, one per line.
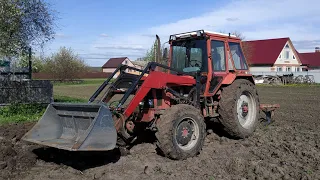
(195,64)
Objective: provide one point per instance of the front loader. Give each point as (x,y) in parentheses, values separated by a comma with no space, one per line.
(206,78)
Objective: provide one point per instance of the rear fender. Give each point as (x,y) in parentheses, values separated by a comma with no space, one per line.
(232,77)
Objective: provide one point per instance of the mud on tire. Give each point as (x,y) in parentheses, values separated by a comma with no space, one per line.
(177,125)
(239,127)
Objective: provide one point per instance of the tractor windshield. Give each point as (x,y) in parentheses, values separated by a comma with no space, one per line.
(190,53)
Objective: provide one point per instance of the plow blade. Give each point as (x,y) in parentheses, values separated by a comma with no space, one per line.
(75,127)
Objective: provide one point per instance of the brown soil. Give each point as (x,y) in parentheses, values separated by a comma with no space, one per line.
(289,148)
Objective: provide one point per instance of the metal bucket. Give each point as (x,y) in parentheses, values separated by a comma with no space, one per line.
(75,127)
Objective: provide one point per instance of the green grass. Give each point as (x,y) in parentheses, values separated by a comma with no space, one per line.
(15,113)
(63,92)
(65,99)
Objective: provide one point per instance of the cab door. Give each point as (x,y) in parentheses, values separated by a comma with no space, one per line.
(218,55)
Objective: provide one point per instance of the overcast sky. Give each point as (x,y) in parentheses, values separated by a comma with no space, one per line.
(99,30)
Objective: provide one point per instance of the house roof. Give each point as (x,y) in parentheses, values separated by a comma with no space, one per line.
(139,63)
(114,62)
(263,52)
(310,59)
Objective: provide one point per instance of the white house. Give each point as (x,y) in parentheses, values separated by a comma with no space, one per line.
(111,65)
(273,55)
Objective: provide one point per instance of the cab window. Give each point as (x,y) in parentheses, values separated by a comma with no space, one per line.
(237,56)
(218,55)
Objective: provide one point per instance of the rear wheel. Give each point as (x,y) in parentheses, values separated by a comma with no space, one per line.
(181,132)
(239,108)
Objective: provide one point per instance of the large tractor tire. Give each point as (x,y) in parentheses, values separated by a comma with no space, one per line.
(181,132)
(239,108)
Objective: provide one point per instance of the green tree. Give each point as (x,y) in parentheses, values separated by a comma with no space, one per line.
(152,53)
(65,65)
(24,23)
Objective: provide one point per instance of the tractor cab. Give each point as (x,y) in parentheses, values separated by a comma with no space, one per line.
(214,55)
(206,52)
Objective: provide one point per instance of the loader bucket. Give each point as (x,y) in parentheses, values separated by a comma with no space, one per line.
(75,127)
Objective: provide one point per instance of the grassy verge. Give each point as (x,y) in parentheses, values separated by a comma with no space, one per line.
(15,113)
(58,98)
(63,92)
(75,91)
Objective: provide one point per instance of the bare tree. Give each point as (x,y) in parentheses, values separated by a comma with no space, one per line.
(236,33)
(239,35)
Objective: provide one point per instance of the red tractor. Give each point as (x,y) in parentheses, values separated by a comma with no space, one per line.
(206,78)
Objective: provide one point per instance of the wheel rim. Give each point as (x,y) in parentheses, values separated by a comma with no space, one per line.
(187,133)
(246,110)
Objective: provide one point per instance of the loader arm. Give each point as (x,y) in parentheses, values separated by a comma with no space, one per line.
(157,80)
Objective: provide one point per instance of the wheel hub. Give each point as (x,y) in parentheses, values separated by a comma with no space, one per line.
(245,109)
(184,133)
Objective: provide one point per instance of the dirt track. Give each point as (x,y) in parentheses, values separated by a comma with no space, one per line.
(287,149)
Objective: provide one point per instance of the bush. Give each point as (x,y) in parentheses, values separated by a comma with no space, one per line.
(65,65)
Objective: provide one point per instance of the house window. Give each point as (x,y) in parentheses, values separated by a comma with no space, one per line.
(279,69)
(280,56)
(293,57)
(287,54)
(297,69)
(287,46)
(126,62)
(288,69)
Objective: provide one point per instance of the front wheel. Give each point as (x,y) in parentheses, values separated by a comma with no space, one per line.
(181,132)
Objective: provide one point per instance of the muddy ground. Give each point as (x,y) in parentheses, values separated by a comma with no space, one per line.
(289,148)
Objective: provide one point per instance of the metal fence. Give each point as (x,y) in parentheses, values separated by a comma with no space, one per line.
(313,73)
(27,91)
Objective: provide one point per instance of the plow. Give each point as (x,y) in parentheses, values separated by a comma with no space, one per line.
(206,78)
(284,79)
